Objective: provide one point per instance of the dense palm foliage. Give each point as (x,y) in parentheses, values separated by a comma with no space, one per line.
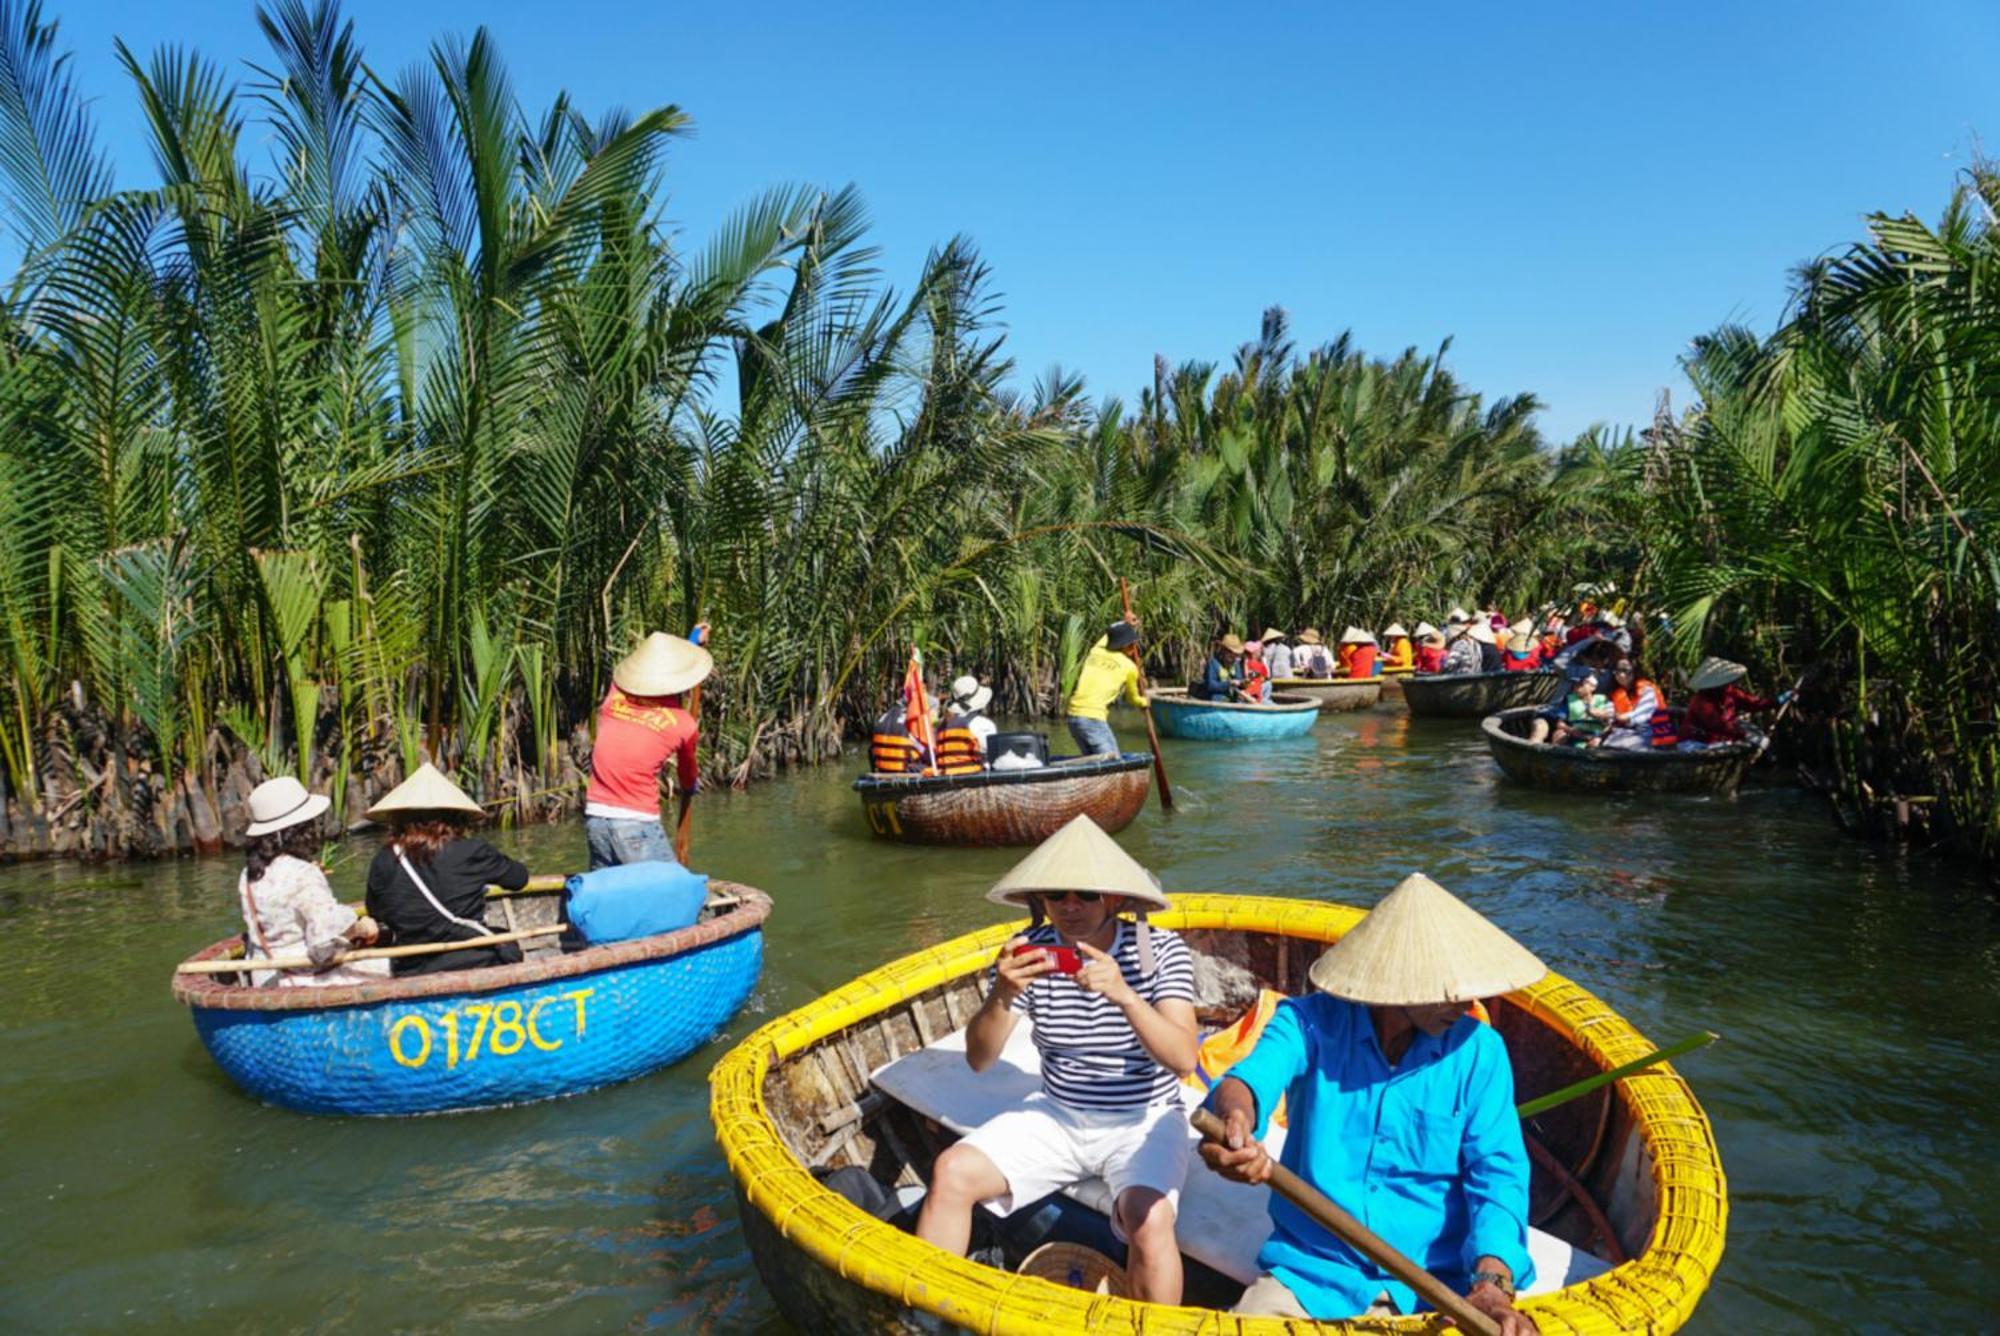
(1829,503)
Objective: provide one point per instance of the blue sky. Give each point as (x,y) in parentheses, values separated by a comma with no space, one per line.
(1569,191)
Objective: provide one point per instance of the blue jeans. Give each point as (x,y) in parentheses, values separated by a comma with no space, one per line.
(617,840)
(1094,736)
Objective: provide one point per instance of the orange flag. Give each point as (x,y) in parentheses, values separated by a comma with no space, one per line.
(917,710)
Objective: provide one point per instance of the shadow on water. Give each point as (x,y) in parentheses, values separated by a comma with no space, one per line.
(1853,1095)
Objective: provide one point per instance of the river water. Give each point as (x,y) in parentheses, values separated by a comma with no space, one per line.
(1854,1093)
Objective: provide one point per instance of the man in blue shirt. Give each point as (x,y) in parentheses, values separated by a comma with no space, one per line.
(1401,1109)
(1221,679)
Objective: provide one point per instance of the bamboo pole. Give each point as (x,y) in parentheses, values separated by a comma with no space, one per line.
(245,965)
(1152,729)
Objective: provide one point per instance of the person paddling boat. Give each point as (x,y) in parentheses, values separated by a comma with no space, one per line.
(1110,673)
(642,726)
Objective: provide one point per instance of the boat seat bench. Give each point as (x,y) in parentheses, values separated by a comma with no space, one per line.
(1222,1224)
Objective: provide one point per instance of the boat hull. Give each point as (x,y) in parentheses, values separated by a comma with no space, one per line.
(1476,695)
(1010,807)
(1335,695)
(552,1025)
(1599,770)
(1179,715)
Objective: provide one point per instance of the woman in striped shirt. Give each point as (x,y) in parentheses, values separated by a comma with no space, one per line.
(1112,1006)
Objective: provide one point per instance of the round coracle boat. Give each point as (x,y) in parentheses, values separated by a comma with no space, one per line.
(1608,770)
(1628,1204)
(1007,806)
(1180,715)
(1334,694)
(1476,695)
(557,1023)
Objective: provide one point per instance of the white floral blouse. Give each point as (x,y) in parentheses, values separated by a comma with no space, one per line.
(290,910)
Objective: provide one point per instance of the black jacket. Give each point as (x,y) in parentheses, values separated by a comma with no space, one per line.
(458,877)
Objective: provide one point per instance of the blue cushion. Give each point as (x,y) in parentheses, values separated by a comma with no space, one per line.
(616,904)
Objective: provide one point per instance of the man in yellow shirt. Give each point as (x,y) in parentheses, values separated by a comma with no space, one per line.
(1110,670)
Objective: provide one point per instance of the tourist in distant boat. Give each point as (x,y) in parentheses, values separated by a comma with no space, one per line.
(1256,677)
(1277,654)
(961,742)
(1401,1107)
(1399,655)
(1639,715)
(1110,672)
(1430,648)
(288,908)
(428,882)
(642,727)
(1115,1036)
(1594,655)
(1461,652)
(1523,653)
(1586,715)
(1714,710)
(1311,659)
(1357,653)
(1222,676)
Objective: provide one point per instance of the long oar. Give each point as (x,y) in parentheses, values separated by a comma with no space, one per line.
(1378,1250)
(684,829)
(245,965)
(1152,729)
(1543,1103)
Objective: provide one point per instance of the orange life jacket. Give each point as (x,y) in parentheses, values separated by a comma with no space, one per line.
(892,751)
(958,749)
(1623,701)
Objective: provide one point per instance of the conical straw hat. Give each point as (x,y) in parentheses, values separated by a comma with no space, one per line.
(1715,672)
(1272,633)
(1079,857)
(1524,627)
(1425,631)
(1483,633)
(1395,629)
(425,791)
(1423,946)
(663,665)
(1458,615)
(1309,636)
(1354,635)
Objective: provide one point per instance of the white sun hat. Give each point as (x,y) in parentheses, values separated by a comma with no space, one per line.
(1715,672)
(663,665)
(281,803)
(968,695)
(1423,946)
(427,790)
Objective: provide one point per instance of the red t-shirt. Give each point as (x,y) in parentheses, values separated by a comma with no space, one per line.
(636,737)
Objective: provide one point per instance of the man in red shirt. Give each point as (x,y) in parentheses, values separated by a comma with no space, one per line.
(641,726)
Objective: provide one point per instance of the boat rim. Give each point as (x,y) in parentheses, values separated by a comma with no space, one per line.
(206,992)
(1494,727)
(1529,675)
(1663,1281)
(1059,768)
(1180,698)
(1291,683)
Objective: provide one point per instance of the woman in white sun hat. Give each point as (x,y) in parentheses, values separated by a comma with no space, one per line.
(288,908)
(1402,1104)
(1112,1006)
(961,742)
(428,882)
(642,727)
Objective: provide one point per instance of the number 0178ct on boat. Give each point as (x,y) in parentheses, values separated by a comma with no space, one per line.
(1627,1202)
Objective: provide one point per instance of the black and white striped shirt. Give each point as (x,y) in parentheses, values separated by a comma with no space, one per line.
(1091,1055)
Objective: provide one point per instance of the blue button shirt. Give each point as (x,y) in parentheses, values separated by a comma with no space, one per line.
(1428,1154)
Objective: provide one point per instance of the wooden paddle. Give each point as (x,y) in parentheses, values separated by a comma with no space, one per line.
(244,966)
(684,830)
(1152,729)
(1329,1216)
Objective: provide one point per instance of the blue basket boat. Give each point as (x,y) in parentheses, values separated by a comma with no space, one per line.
(557,1023)
(1180,715)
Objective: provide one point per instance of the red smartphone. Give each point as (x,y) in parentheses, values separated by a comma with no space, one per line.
(1068,960)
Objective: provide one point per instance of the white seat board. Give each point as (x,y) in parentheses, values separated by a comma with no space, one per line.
(1221,1224)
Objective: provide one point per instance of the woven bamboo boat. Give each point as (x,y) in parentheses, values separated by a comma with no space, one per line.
(1629,1173)
(1333,694)
(1476,695)
(1007,807)
(1602,770)
(557,1023)
(1180,715)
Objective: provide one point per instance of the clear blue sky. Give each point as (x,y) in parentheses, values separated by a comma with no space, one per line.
(1571,191)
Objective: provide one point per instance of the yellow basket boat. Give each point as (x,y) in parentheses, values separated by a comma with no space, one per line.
(1636,1160)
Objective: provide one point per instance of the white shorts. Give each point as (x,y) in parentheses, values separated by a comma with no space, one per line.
(1045,1146)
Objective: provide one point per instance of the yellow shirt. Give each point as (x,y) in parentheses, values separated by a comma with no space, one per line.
(1106,674)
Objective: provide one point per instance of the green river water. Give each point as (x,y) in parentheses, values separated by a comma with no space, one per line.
(1854,1093)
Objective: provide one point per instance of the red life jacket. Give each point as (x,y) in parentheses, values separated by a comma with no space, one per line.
(1255,675)
(891,750)
(1521,663)
(1430,658)
(1361,663)
(958,749)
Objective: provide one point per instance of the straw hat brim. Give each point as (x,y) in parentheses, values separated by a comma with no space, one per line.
(1231,643)
(1425,630)
(1309,636)
(1483,634)
(1396,629)
(1272,633)
(1716,673)
(426,790)
(311,809)
(663,665)
(1422,946)
(1079,857)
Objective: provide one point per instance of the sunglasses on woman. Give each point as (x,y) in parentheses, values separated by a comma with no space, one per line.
(1084,897)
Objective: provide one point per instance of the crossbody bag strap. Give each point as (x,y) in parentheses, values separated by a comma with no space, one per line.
(478,929)
(251,918)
